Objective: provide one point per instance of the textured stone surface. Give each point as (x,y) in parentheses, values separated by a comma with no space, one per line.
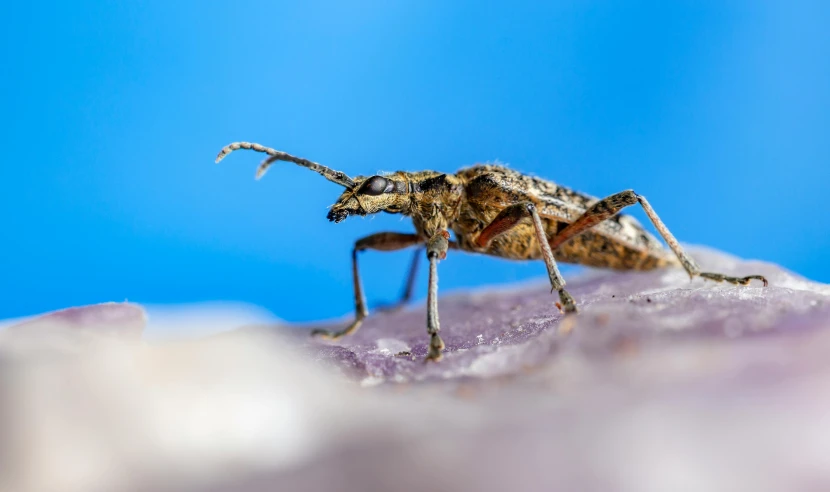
(659,384)
(506,332)
(119,319)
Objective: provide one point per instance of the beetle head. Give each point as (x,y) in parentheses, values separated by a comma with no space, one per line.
(371,195)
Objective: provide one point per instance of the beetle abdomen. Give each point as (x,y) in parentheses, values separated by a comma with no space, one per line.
(619,242)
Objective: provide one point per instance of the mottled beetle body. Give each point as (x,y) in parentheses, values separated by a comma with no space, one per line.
(497,211)
(619,242)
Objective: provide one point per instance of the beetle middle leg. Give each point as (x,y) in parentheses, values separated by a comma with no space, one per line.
(382,241)
(506,220)
(610,206)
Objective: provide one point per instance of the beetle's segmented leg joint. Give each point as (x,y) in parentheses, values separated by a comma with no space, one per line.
(438,245)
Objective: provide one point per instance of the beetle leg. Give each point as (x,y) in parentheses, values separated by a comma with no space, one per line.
(610,206)
(506,220)
(719,277)
(408,287)
(436,250)
(382,241)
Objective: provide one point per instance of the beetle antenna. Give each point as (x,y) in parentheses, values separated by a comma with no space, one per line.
(275,155)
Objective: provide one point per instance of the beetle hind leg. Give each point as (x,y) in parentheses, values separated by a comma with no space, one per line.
(719,277)
(610,206)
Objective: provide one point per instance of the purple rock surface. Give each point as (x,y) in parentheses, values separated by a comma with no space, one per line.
(118,319)
(511,331)
(658,384)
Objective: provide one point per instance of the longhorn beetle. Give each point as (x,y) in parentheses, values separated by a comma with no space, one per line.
(496,211)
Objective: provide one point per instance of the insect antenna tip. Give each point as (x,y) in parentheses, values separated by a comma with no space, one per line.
(224,153)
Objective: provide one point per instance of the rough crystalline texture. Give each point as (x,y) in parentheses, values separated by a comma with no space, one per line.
(658,384)
(511,331)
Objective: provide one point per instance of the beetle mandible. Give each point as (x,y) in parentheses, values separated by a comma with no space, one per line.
(496,211)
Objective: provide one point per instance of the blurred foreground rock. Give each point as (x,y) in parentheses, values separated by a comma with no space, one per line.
(659,384)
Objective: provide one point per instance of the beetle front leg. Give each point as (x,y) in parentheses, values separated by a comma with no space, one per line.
(436,250)
(382,241)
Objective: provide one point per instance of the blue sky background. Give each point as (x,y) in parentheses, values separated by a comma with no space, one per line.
(719,112)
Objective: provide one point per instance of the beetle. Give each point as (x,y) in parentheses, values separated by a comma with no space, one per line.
(497,211)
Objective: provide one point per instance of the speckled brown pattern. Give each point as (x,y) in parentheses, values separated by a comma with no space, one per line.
(619,242)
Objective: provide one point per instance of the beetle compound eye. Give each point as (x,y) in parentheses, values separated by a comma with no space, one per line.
(376,185)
